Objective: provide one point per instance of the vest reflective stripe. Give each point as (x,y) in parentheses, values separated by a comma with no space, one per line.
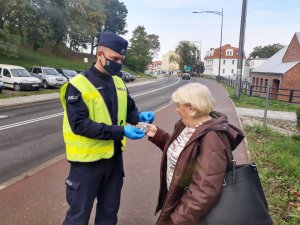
(83,149)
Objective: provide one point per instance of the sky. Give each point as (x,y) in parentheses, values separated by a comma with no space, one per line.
(267,22)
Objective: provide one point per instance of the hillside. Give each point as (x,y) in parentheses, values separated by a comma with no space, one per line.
(64,58)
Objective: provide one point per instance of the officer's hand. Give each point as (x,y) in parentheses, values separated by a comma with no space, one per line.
(133,132)
(146,117)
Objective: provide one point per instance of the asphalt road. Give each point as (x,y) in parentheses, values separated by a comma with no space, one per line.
(31,135)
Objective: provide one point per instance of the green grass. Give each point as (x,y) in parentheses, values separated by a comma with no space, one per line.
(247,101)
(278,159)
(27,93)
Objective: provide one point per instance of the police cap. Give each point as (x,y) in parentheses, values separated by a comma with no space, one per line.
(115,42)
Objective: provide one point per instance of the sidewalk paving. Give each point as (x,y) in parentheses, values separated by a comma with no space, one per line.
(277,115)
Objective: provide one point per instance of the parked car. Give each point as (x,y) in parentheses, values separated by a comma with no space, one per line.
(67,73)
(186,76)
(124,75)
(132,77)
(18,78)
(48,76)
(1,86)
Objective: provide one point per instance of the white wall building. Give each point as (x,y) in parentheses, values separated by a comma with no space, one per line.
(251,64)
(229,59)
(166,64)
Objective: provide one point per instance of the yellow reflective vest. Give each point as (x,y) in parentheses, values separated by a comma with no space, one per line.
(83,149)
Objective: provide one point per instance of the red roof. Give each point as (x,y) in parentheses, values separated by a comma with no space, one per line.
(216,54)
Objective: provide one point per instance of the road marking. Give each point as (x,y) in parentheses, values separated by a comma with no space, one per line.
(30,121)
(144,93)
(3,116)
(60,114)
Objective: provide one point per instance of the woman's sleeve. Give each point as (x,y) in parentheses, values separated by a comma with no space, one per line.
(206,184)
(160,138)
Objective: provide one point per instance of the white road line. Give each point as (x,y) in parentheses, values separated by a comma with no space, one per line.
(30,121)
(144,93)
(60,114)
(3,116)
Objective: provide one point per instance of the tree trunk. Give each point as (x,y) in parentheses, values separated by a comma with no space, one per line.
(92,45)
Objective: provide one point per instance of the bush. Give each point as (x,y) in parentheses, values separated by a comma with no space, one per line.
(298,118)
(9,43)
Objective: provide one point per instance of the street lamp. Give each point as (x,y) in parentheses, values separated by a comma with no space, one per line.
(220,13)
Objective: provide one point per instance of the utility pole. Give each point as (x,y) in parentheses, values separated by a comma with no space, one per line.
(241,49)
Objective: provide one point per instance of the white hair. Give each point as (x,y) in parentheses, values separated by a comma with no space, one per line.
(197,95)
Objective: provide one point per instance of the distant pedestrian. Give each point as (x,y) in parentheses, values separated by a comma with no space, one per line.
(97,106)
(195,157)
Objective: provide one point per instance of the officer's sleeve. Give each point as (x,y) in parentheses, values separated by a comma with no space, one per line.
(78,116)
(132,110)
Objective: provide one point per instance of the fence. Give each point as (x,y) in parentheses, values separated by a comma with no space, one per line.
(281,94)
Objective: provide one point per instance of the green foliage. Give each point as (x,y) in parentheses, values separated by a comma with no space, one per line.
(298,118)
(116,13)
(138,55)
(9,43)
(278,160)
(266,51)
(154,43)
(188,54)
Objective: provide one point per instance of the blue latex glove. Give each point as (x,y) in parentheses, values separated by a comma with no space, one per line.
(133,132)
(146,117)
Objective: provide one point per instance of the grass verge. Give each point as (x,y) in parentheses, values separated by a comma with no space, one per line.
(247,101)
(278,159)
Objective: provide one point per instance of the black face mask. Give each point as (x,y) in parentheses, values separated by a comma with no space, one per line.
(111,66)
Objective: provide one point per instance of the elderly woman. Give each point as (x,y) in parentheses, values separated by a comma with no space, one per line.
(195,157)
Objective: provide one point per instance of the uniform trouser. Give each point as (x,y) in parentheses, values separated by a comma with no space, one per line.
(86,182)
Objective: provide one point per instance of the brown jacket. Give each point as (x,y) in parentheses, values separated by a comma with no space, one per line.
(199,172)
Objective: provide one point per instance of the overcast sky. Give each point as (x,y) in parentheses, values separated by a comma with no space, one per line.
(268,22)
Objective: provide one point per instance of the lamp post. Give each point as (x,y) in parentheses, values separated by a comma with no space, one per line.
(220,13)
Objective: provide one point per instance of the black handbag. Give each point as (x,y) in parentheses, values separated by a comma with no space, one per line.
(242,200)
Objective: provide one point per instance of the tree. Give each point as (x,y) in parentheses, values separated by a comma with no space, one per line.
(116,13)
(154,44)
(9,43)
(187,54)
(139,56)
(83,23)
(266,51)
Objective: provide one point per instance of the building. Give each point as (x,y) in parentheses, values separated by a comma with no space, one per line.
(282,70)
(229,59)
(167,65)
(155,67)
(251,64)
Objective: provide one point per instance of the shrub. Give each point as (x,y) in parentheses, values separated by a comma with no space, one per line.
(298,118)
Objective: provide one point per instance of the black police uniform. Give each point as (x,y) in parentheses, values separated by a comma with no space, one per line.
(102,179)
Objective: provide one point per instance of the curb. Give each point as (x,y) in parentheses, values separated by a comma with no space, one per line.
(32,171)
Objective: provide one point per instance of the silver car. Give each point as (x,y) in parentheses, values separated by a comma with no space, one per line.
(48,76)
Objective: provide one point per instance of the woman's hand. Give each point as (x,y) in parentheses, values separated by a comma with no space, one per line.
(152,130)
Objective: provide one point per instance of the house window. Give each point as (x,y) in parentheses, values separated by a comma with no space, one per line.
(223,71)
(261,84)
(224,61)
(232,62)
(232,71)
(229,52)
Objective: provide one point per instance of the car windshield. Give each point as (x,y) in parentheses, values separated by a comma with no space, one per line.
(70,73)
(50,71)
(20,73)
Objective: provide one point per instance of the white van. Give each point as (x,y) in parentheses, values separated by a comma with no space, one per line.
(18,78)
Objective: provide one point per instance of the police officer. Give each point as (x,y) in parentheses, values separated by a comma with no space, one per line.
(96,108)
